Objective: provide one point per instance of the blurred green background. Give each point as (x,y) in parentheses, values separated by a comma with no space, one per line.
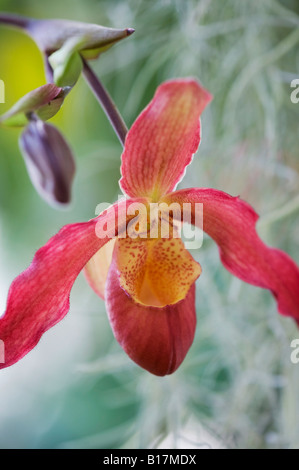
(78,388)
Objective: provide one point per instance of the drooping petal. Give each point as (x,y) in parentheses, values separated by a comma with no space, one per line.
(155,272)
(163,139)
(231,223)
(96,270)
(157,339)
(39,297)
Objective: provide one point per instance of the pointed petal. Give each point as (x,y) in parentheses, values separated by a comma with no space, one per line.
(39,297)
(157,339)
(231,223)
(163,139)
(96,270)
(52,34)
(155,272)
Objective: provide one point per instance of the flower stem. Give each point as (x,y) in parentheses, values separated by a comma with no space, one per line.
(14,20)
(106,102)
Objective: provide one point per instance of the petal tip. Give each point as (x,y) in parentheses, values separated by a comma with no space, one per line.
(130,31)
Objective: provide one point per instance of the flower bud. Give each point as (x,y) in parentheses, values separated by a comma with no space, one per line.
(49,161)
(44,101)
(51,35)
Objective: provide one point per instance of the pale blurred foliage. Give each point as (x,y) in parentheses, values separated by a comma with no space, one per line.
(78,388)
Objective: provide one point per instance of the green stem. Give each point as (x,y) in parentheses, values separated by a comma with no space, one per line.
(106,102)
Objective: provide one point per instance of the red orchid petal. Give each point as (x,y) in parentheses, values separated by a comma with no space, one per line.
(157,339)
(231,223)
(39,297)
(163,139)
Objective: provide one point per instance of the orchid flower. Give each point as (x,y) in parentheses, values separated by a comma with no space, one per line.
(148,283)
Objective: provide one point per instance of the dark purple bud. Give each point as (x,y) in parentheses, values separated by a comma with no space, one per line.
(49,161)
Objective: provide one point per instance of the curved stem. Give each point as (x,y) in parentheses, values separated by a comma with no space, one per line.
(106,102)
(14,20)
